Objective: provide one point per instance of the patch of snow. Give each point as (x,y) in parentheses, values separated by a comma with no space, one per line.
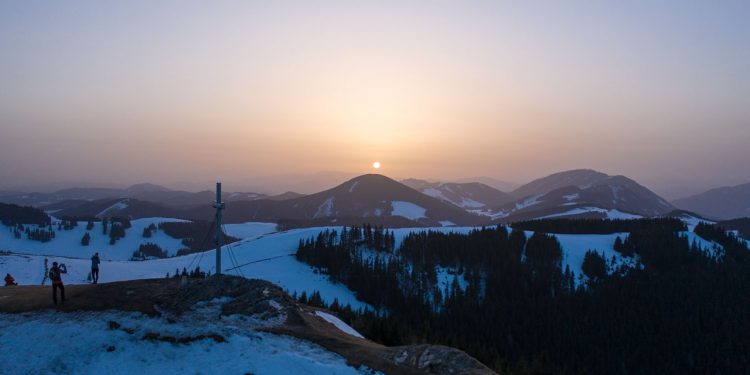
(408,210)
(435,193)
(470,203)
(275,305)
(617,214)
(528,202)
(463,203)
(90,347)
(325,209)
(575,211)
(709,248)
(121,205)
(351,189)
(493,214)
(609,214)
(447,223)
(445,277)
(691,221)
(249,230)
(571,197)
(575,247)
(343,327)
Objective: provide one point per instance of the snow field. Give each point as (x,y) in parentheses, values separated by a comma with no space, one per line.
(408,210)
(84,344)
(68,242)
(339,324)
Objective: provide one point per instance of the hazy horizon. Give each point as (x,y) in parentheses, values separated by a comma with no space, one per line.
(266,93)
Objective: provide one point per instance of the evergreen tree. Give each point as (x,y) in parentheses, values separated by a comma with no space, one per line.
(86,239)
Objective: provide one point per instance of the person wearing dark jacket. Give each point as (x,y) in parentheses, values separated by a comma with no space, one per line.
(55,274)
(9,280)
(95,268)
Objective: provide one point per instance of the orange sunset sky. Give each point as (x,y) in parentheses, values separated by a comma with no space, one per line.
(249,91)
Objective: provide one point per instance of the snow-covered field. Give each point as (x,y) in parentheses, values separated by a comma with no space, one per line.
(68,242)
(262,253)
(408,210)
(82,343)
(249,230)
(608,213)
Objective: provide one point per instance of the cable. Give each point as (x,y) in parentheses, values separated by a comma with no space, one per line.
(232,256)
(263,260)
(208,233)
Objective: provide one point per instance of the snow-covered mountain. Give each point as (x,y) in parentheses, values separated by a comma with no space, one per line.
(580,193)
(371,198)
(383,201)
(721,203)
(544,185)
(469,195)
(108,207)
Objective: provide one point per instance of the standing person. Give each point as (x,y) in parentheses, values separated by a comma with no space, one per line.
(95,268)
(9,280)
(56,277)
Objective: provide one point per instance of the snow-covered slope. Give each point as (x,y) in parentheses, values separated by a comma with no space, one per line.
(266,254)
(583,193)
(67,243)
(470,195)
(260,254)
(267,257)
(83,343)
(365,198)
(582,211)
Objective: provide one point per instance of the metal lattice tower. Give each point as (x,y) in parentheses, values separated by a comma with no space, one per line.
(219,206)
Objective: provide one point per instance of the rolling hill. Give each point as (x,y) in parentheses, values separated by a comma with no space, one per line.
(371,198)
(722,203)
(469,195)
(580,193)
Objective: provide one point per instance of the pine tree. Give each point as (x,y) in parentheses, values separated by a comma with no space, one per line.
(86,239)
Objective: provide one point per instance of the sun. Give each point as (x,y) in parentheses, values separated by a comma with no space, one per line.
(376,165)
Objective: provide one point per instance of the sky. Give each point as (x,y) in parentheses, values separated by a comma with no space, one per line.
(253,92)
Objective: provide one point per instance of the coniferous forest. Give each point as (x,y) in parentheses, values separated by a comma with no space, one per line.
(511,304)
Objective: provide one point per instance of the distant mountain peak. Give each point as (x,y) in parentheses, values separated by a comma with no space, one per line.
(574,177)
(145,187)
(722,203)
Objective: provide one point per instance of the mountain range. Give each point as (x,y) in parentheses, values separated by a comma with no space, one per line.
(722,203)
(380,200)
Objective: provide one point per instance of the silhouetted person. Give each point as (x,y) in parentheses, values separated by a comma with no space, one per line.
(9,280)
(95,268)
(55,274)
